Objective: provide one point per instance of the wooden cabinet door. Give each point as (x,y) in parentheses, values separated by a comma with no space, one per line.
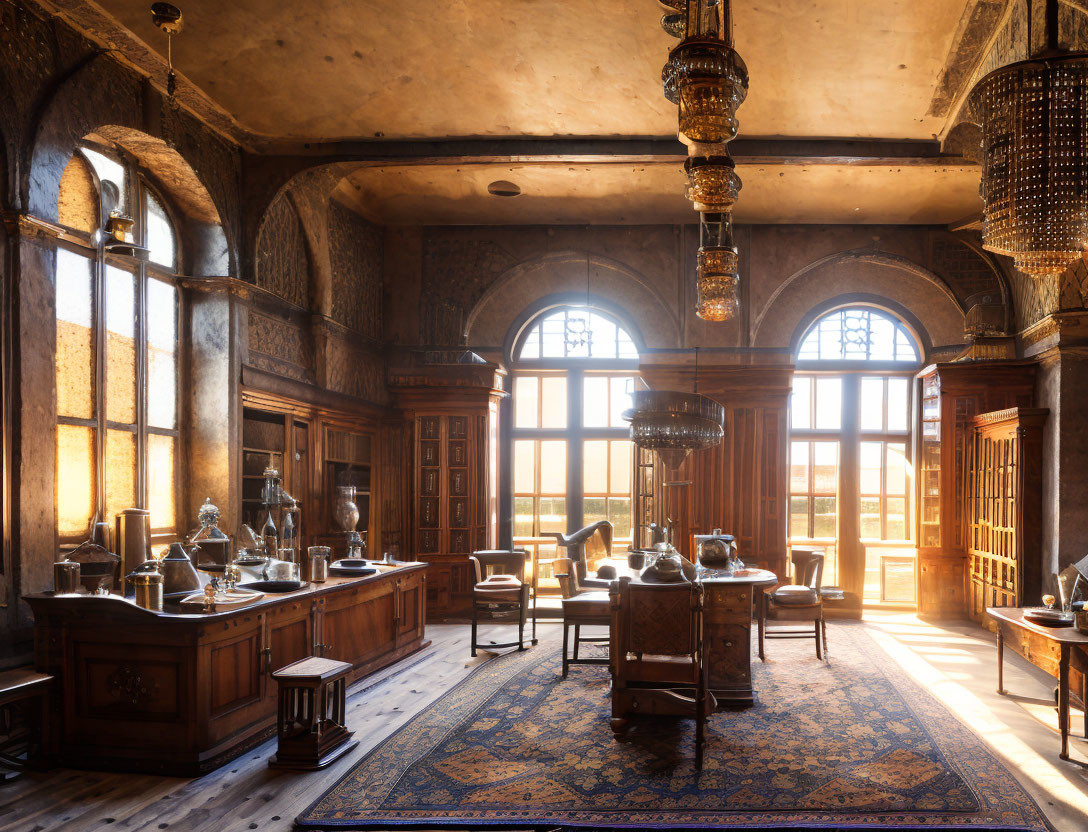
(233,682)
(359,625)
(289,636)
(411,606)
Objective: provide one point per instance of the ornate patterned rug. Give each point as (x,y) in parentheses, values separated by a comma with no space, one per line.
(854,744)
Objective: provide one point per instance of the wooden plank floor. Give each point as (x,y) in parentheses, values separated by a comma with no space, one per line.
(244,794)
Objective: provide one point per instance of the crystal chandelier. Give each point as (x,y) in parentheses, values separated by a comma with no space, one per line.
(674,424)
(1034,118)
(708,81)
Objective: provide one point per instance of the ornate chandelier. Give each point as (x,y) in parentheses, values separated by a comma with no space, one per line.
(1034,118)
(674,424)
(708,81)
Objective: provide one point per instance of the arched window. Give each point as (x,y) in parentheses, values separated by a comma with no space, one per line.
(117,352)
(574,368)
(857,334)
(850,450)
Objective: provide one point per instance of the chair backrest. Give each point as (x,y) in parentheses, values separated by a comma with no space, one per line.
(499,562)
(587,545)
(656,619)
(808,567)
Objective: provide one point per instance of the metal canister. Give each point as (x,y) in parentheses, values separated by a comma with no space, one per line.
(65,577)
(319,563)
(148,587)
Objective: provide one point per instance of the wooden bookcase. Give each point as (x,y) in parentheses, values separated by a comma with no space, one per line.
(949,396)
(1004,509)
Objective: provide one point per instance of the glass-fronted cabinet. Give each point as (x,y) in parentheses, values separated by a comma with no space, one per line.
(929,457)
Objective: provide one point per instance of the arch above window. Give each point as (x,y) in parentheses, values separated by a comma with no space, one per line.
(858,334)
(575,332)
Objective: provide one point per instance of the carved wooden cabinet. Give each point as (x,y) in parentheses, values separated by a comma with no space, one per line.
(1004,506)
(183,694)
(949,396)
(452,407)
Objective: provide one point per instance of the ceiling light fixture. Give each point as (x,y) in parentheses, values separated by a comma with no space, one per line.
(1035,152)
(167,17)
(708,81)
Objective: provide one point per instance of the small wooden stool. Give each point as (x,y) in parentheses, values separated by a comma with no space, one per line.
(312,714)
(24,685)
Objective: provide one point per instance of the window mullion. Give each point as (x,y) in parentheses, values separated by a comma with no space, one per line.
(142,487)
(99,328)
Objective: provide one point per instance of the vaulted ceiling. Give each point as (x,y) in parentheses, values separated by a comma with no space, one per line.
(326,70)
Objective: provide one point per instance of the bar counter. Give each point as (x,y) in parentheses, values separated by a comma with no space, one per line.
(184,693)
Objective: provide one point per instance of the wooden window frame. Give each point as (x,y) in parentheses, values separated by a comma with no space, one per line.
(137,188)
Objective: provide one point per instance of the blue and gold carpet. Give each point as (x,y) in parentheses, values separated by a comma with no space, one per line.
(854,744)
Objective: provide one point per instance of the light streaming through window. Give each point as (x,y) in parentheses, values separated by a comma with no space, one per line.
(857,335)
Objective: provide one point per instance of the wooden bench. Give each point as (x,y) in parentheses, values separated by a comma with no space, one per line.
(24,685)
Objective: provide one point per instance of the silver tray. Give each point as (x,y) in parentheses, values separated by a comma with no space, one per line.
(1048,616)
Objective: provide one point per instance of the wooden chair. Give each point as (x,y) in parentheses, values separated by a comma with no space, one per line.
(586,546)
(582,607)
(800,601)
(500,592)
(659,662)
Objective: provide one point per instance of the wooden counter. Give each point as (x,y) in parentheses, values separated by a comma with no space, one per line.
(185,693)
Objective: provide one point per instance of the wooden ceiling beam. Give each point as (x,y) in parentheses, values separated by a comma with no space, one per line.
(592,150)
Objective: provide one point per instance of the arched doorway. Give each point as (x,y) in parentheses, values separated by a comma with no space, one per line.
(850,450)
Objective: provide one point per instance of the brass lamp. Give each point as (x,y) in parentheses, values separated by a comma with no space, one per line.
(717,271)
(1035,155)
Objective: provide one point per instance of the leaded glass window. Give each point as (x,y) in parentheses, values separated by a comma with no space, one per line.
(858,334)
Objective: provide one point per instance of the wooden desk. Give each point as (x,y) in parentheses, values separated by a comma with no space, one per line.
(183,693)
(727,628)
(1053,649)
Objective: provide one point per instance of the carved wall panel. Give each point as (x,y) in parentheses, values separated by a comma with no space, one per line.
(283,264)
(278,346)
(355,250)
(354,369)
(964,269)
(456,273)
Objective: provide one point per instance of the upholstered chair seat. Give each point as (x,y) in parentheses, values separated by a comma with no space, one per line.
(503,594)
(498,588)
(795,595)
(801,601)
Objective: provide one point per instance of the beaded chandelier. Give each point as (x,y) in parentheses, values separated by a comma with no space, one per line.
(1034,118)
(674,424)
(708,81)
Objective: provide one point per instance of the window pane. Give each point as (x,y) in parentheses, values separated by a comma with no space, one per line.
(799,516)
(553,467)
(872,404)
(531,347)
(576,333)
(75,336)
(897,518)
(870,518)
(798,467)
(881,339)
(604,337)
(120,472)
(159,233)
(109,170)
(526,401)
(619,512)
(553,402)
(120,346)
(871,464)
(75,479)
(801,403)
(828,403)
(595,467)
(897,468)
(620,399)
(857,335)
(553,514)
(161,454)
(595,411)
(594,509)
(897,403)
(162,342)
(524,466)
(825,519)
(825,467)
(621,466)
(523,517)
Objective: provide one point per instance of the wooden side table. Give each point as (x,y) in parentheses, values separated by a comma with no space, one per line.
(1052,649)
(311,721)
(25,685)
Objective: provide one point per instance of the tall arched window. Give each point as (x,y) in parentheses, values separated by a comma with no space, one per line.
(117,352)
(574,368)
(850,471)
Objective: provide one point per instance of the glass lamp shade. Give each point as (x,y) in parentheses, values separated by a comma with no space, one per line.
(674,424)
(713,184)
(716,283)
(708,81)
(1035,162)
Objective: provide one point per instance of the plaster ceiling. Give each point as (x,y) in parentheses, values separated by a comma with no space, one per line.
(344,69)
(654,193)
